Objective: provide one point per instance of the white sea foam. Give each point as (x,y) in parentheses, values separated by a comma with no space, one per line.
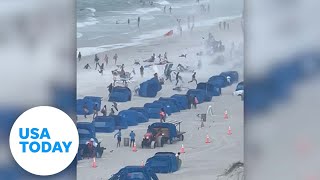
(162,2)
(89,22)
(147,10)
(79,35)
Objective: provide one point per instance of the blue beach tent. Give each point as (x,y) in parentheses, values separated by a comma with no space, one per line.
(104,124)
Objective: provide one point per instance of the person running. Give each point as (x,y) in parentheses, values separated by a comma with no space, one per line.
(193,78)
(115,105)
(155,75)
(104,110)
(96,60)
(177,78)
(195,102)
(95,110)
(101,69)
(118,134)
(162,115)
(168,75)
(190,102)
(139,21)
(111,112)
(132,138)
(79,56)
(115,57)
(165,56)
(110,87)
(87,66)
(106,59)
(141,71)
(85,109)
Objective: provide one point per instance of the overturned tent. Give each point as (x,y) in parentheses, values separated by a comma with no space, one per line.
(140,110)
(132,117)
(209,88)
(218,81)
(234,76)
(163,162)
(120,94)
(182,100)
(150,88)
(104,124)
(201,95)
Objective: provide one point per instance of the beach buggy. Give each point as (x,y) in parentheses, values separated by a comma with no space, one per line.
(167,132)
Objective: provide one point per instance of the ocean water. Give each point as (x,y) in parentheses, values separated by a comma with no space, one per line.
(102,24)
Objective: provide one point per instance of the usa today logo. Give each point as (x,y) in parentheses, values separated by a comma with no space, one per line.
(44,140)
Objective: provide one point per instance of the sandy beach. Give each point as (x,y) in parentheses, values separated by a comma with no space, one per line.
(201,160)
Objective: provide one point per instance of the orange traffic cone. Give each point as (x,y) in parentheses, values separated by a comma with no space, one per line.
(229,131)
(207,139)
(142,163)
(94,164)
(134,148)
(225,115)
(182,149)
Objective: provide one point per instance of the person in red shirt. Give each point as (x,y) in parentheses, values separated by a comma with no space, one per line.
(162,115)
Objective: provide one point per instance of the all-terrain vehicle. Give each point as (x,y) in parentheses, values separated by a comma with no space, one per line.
(152,139)
(168,130)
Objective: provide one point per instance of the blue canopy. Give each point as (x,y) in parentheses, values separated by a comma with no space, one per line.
(86,131)
(80,105)
(218,81)
(209,88)
(150,88)
(88,128)
(153,109)
(135,173)
(182,100)
(104,124)
(172,100)
(120,122)
(234,76)
(200,94)
(165,162)
(171,127)
(170,107)
(120,94)
(132,117)
(163,105)
(94,99)
(140,110)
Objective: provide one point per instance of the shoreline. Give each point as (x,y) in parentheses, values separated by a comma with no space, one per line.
(138,41)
